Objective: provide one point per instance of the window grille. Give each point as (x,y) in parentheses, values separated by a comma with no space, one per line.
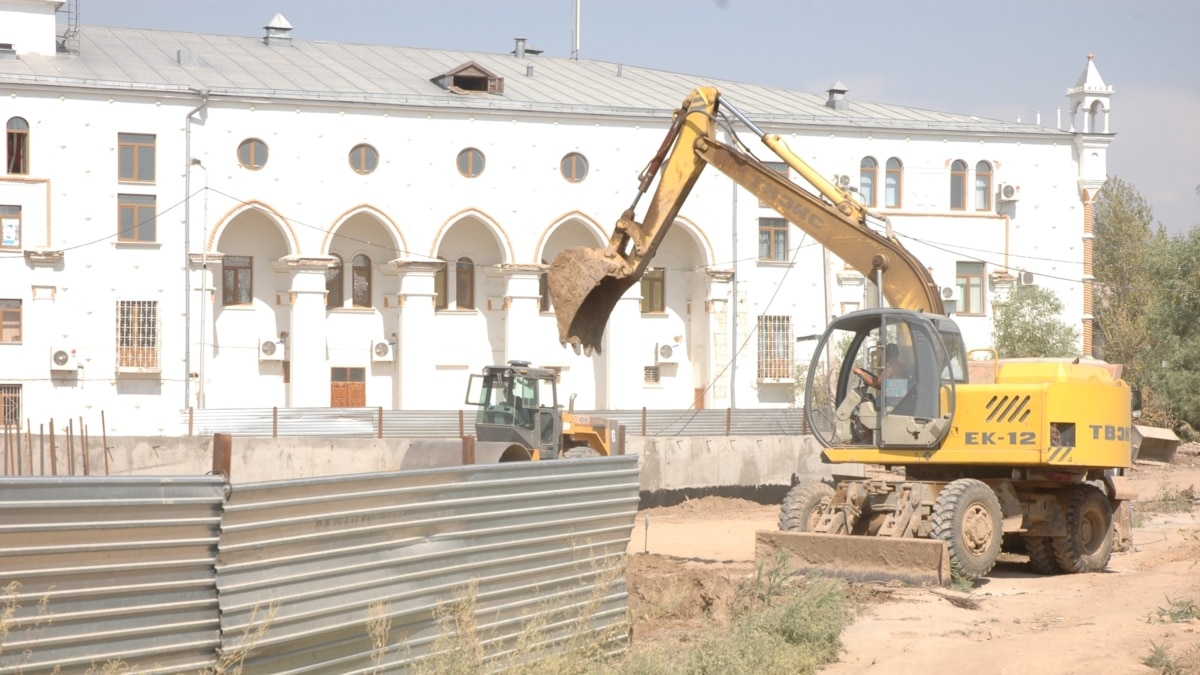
(651,375)
(138,333)
(10,405)
(775,359)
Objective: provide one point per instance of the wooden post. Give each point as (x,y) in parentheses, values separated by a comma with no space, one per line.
(275,422)
(468,450)
(70,447)
(42,447)
(7,458)
(461,428)
(222,445)
(87,461)
(728,420)
(620,439)
(644,421)
(53,454)
(104,436)
(29,443)
(380,422)
(191,419)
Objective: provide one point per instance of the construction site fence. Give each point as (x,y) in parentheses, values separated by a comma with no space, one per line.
(361,573)
(381,423)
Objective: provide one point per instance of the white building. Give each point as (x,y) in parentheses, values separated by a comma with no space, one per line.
(176,204)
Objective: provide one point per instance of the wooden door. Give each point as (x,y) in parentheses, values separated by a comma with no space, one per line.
(348,387)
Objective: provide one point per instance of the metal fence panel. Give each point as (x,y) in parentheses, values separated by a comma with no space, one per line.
(112,568)
(364,422)
(312,561)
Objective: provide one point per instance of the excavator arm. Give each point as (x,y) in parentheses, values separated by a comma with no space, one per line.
(586,283)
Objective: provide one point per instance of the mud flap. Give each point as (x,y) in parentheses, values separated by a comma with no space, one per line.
(917,562)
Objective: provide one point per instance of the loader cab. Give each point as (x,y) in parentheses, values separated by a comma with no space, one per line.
(517,403)
(885,378)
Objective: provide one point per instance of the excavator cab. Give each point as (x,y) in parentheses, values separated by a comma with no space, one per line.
(517,404)
(885,378)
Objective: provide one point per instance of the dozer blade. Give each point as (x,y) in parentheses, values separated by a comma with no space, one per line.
(917,562)
(585,284)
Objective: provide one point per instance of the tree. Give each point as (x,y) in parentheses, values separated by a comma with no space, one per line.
(1121,256)
(1173,350)
(1027,324)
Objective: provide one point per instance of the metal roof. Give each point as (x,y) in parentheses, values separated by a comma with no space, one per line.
(149,60)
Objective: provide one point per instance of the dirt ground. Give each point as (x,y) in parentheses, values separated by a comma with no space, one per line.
(688,561)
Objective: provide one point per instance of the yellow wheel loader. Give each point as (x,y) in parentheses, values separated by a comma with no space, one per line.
(1037,454)
(518,418)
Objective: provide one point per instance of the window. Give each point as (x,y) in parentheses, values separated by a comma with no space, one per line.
(470,162)
(361,281)
(17,156)
(10,226)
(137,334)
(252,154)
(772,239)
(136,217)
(779,168)
(464,283)
(135,157)
(544,292)
(958,185)
(893,182)
(574,167)
(654,291)
(970,287)
(348,387)
(334,296)
(363,158)
(868,173)
(651,375)
(441,297)
(775,347)
(983,186)
(237,277)
(10,405)
(10,321)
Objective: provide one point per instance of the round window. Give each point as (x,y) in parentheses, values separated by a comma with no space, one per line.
(574,167)
(470,162)
(363,158)
(252,154)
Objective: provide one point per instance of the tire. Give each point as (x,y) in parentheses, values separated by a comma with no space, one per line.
(966,515)
(1089,541)
(802,507)
(1041,555)
(581,452)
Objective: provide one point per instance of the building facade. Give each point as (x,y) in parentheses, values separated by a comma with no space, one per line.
(225,222)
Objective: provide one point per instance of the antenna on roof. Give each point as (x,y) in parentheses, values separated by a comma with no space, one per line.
(575,31)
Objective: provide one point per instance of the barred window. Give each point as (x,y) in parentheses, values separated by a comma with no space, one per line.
(650,375)
(137,335)
(775,360)
(10,405)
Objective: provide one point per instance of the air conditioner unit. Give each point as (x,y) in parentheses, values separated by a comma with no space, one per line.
(1027,279)
(62,358)
(951,294)
(669,352)
(1009,192)
(382,351)
(270,350)
(841,180)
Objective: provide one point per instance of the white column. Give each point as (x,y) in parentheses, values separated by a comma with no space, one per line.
(415,344)
(305,343)
(525,336)
(622,388)
(719,313)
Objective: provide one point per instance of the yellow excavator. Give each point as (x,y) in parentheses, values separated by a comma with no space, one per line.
(1036,454)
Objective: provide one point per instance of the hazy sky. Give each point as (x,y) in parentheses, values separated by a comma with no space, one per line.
(1000,59)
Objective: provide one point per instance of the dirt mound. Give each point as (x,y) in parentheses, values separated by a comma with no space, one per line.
(706,507)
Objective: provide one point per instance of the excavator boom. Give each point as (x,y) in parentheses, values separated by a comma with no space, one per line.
(585,283)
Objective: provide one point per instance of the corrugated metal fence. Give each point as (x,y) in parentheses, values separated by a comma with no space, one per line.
(338,574)
(377,422)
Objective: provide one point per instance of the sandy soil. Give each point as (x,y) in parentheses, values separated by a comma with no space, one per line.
(690,559)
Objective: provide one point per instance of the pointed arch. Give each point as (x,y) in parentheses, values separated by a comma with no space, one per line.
(399,243)
(503,241)
(281,222)
(569,218)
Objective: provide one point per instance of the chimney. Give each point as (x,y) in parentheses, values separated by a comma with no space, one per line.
(278,31)
(837,97)
(520,50)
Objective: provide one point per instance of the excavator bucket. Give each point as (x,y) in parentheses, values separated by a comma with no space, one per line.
(916,562)
(585,284)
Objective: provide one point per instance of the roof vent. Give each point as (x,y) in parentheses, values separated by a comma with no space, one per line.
(188,58)
(278,31)
(470,77)
(521,50)
(837,97)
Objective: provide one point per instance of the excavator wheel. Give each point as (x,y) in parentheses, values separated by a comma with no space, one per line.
(966,515)
(802,506)
(1041,555)
(1089,541)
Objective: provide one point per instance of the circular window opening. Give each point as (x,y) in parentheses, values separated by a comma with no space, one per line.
(252,154)
(363,158)
(574,167)
(470,162)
